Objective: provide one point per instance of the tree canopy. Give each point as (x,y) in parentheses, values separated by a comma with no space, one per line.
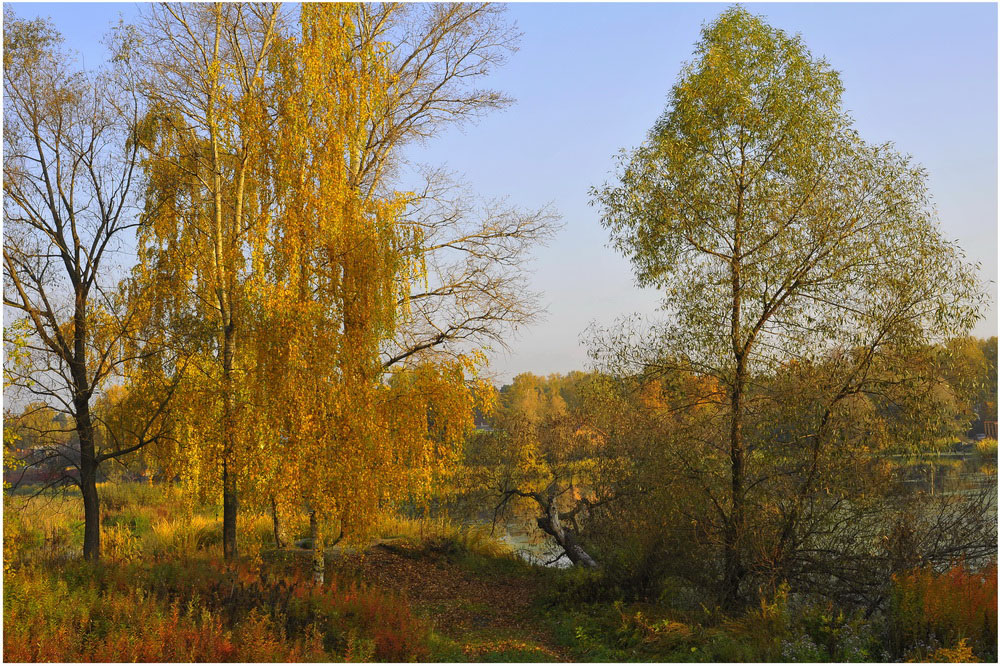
(777,234)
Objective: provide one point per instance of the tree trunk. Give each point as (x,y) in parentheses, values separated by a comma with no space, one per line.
(318,551)
(735,530)
(85,433)
(566,538)
(230,507)
(230,500)
(279,532)
(88,485)
(222,279)
(735,527)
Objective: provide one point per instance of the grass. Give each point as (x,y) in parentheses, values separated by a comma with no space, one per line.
(424,589)
(199,610)
(934,616)
(473,548)
(162,592)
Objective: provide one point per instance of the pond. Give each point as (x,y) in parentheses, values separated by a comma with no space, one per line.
(934,474)
(946,473)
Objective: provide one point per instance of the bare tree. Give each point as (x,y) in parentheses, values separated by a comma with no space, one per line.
(70,176)
(477,291)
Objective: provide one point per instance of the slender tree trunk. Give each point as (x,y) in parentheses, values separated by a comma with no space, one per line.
(734,571)
(230,500)
(85,432)
(736,524)
(318,550)
(279,532)
(223,286)
(230,506)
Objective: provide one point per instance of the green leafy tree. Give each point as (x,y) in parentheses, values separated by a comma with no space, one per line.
(776,233)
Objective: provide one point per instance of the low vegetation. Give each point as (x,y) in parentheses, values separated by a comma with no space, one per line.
(164,593)
(422,590)
(987,448)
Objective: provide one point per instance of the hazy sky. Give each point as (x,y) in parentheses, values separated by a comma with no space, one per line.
(591,79)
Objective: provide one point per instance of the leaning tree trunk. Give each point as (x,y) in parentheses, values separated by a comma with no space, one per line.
(551,524)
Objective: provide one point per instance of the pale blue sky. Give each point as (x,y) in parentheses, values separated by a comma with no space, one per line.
(592,78)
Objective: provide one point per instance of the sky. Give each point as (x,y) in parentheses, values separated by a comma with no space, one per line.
(591,79)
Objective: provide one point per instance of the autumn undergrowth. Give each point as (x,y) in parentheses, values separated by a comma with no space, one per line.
(933,615)
(987,448)
(472,547)
(163,593)
(197,609)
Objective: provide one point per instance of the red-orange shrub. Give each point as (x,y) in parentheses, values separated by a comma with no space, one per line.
(944,608)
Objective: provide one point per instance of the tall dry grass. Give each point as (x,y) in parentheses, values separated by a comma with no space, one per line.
(162,593)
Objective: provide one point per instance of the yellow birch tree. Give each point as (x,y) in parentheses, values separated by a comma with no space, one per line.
(331,281)
(204,70)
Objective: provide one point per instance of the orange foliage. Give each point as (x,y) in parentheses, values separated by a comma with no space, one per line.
(958,604)
(196,611)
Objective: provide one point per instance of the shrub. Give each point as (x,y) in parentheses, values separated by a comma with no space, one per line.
(841,636)
(941,609)
(46,619)
(577,585)
(803,649)
(657,635)
(987,448)
(350,614)
(960,654)
(119,543)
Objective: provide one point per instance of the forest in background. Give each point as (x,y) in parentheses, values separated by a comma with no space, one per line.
(244,364)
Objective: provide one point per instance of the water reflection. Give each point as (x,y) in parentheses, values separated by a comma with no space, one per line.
(946,473)
(937,475)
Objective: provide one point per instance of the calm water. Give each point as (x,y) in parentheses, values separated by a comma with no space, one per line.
(944,474)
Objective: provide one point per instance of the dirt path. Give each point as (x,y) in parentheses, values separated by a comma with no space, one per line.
(484,613)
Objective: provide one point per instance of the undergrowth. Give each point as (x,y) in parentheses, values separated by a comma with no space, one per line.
(163,594)
(198,610)
(948,616)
